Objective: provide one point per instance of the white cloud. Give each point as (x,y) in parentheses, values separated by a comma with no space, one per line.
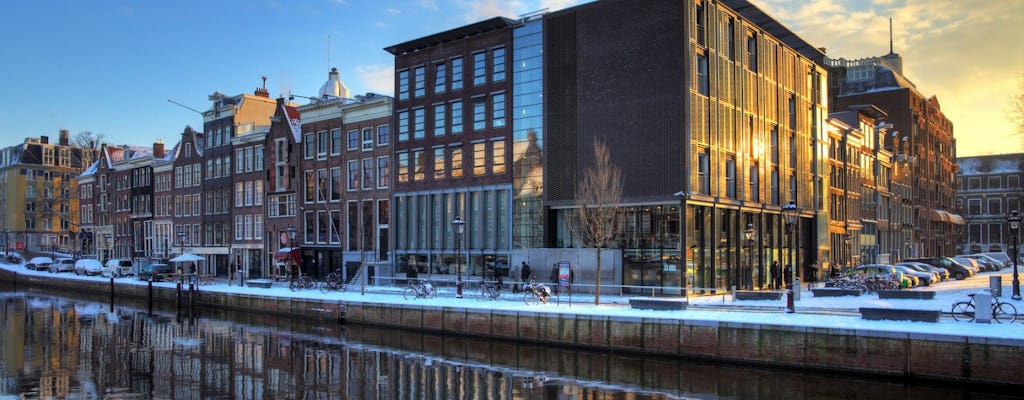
(377,78)
(392,11)
(429,4)
(479,10)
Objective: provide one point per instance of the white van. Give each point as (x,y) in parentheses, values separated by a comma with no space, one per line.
(118,267)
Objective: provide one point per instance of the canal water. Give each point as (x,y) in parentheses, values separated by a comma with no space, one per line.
(57,345)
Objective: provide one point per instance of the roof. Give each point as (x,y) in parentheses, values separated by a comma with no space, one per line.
(490,25)
(294,120)
(776,29)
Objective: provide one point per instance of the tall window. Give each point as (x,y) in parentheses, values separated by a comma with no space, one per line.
(479,114)
(420,81)
(403,126)
(775,185)
(456,108)
(440,78)
(439,120)
(498,64)
(353,175)
(703,82)
(367,139)
(457,73)
(403,85)
(498,157)
(479,68)
(730,177)
(699,23)
(704,172)
(751,51)
(456,162)
(383,135)
(498,110)
(353,140)
(335,141)
(310,146)
(321,145)
(419,165)
(419,123)
(367,173)
(336,184)
(310,186)
(755,183)
(403,167)
(479,158)
(383,172)
(730,35)
(440,171)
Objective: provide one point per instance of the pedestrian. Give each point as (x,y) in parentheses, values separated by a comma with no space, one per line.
(554,277)
(776,275)
(525,273)
(515,274)
(412,275)
(787,276)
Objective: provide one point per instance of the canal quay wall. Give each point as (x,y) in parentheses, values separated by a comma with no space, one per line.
(944,357)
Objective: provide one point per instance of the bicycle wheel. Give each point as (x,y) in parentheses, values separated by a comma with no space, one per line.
(409,293)
(531,298)
(1004,312)
(963,311)
(293,285)
(483,294)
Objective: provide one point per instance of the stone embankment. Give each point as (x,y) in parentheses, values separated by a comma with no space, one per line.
(894,354)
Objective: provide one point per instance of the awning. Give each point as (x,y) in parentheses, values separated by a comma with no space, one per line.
(942,216)
(957,219)
(286,253)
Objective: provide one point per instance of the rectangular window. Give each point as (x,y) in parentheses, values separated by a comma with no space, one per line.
(498,110)
(479,114)
(403,167)
(321,145)
(239,167)
(479,158)
(419,123)
(730,34)
(419,163)
(419,81)
(752,52)
(367,139)
(310,186)
(321,185)
(367,173)
(403,126)
(248,193)
(456,162)
(335,141)
(775,185)
(439,120)
(248,226)
(403,85)
(239,194)
(498,64)
(479,68)
(353,175)
(456,108)
(440,78)
(704,172)
(353,140)
(336,184)
(703,82)
(257,226)
(239,227)
(730,177)
(383,172)
(755,180)
(440,172)
(310,147)
(498,157)
(383,135)
(257,189)
(249,159)
(457,73)
(699,18)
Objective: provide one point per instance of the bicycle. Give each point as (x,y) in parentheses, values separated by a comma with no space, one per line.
(334,281)
(535,293)
(419,290)
(302,281)
(1001,310)
(490,290)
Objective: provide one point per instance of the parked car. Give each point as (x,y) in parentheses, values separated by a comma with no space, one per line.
(63,264)
(39,263)
(955,269)
(882,272)
(88,266)
(155,272)
(1001,257)
(118,267)
(969,263)
(923,278)
(942,273)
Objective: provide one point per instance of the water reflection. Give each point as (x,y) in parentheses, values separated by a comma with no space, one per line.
(54,346)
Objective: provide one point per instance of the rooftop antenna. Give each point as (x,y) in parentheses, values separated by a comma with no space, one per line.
(329,51)
(890,35)
(185,107)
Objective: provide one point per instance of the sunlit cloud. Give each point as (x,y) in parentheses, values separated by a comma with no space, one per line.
(377,78)
(429,4)
(392,11)
(478,10)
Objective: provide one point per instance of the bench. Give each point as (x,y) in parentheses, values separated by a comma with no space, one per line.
(907,294)
(650,303)
(259,283)
(896,314)
(835,292)
(757,295)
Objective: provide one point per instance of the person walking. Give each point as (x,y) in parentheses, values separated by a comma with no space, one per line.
(515,274)
(525,273)
(787,276)
(776,275)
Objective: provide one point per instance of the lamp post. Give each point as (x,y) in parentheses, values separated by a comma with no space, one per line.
(1014,222)
(906,243)
(181,241)
(749,235)
(791,212)
(458,225)
(848,257)
(7,239)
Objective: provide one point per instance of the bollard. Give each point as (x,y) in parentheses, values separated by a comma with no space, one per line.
(995,285)
(150,295)
(796,288)
(733,290)
(790,308)
(983,307)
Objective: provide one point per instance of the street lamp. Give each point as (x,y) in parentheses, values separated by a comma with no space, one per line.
(849,249)
(749,235)
(181,241)
(906,243)
(791,212)
(459,226)
(1014,222)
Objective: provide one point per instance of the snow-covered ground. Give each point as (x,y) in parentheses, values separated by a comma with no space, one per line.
(817,312)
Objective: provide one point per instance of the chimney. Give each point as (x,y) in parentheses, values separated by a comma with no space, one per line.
(263,92)
(158,149)
(64,137)
(44,139)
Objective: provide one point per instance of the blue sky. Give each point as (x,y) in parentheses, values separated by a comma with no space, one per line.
(110,66)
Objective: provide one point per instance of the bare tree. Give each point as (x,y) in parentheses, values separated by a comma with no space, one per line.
(88,140)
(1016,108)
(598,218)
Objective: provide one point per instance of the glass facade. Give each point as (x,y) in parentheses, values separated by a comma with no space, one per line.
(528,135)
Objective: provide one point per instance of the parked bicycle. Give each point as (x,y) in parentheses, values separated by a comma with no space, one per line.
(490,290)
(302,281)
(847,282)
(334,281)
(419,290)
(535,293)
(1001,310)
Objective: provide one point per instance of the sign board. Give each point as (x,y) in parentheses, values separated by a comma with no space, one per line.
(20,246)
(564,273)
